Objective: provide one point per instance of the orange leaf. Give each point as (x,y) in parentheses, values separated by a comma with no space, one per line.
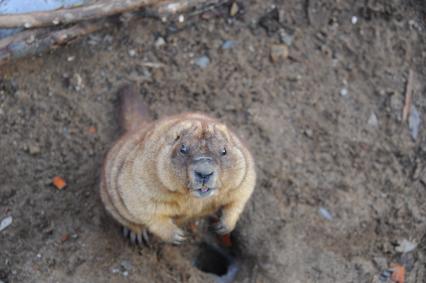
(92,130)
(59,182)
(398,274)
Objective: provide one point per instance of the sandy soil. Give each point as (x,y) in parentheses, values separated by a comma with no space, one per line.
(341,179)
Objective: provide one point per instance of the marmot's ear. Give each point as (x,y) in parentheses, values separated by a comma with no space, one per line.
(177,131)
(223,129)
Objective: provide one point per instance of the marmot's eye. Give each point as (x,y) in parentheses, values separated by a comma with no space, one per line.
(184,149)
(223,151)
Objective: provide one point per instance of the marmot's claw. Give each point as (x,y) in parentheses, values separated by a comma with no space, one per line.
(141,238)
(179,237)
(125,232)
(221,229)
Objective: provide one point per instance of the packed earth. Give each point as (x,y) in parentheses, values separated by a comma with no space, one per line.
(317,89)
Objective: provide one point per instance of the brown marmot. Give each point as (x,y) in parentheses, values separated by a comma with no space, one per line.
(161,174)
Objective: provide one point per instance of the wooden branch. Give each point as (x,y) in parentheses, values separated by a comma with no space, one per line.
(72,15)
(36,41)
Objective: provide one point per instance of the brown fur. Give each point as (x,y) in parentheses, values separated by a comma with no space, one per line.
(144,180)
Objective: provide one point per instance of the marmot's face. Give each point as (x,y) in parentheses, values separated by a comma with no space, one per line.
(203,159)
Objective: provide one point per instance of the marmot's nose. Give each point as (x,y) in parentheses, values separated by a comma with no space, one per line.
(203,176)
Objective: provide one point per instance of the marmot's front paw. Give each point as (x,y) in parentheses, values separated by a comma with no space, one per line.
(178,237)
(221,228)
(139,237)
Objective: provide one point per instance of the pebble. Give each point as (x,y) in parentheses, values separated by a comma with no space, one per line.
(202,61)
(228,44)
(325,213)
(385,275)
(127,265)
(234,9)
(132,53)
(34,149)
(308,133)
(344,91)
(5,223)
(414,122)
(71,58)
(354,20)
(372,121)
(115,270)
(285,37)
(279,52)
(405,246)
(159,42)
(77,82)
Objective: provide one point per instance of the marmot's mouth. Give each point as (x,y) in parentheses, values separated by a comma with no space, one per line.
(203,192)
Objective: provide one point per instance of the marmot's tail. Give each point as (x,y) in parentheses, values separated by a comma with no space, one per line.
(134,113)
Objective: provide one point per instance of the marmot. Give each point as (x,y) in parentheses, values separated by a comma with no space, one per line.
(161,174)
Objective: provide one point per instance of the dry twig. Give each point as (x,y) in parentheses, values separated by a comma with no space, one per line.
(408,97)
(36,41)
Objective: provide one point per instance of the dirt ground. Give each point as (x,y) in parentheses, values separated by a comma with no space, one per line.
(341,179)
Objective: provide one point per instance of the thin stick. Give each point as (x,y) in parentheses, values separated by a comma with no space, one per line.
(172,6)
(35,41)
(408,96)
(72,15)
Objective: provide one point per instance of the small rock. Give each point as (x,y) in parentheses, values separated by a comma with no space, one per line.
(71,58)
(126,265)
(181,18)
(372,121)
(385,275)
(344,91)
(115,270)
(354,20)
(77,82)
(34,149)
(228,44)
(5,223)
(202,61)
(38,255)
(159,42)
(405,246)
(414,122)
(294,77)
(132,53)
(125,273)
(285,37)
(234,9)
(325,213)
(308,133)
(279,52)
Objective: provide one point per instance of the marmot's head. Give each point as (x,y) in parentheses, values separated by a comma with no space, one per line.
(201,157)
